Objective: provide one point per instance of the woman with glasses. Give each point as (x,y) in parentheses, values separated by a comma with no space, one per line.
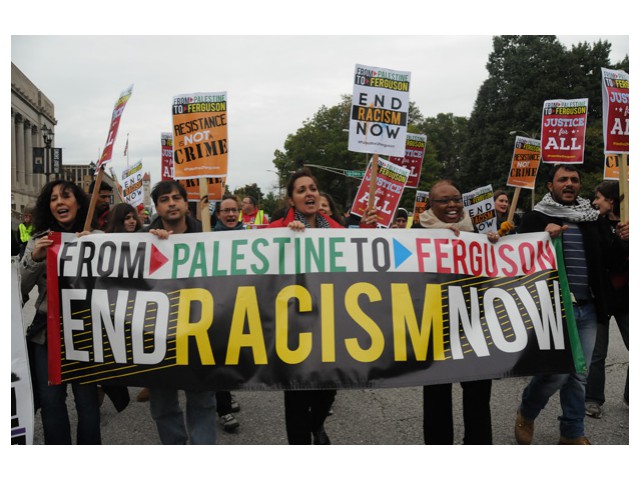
(228,219)
(447,211)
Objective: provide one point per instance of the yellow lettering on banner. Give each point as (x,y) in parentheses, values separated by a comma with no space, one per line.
(404,316)
(358,353)
(328,323)
(199,329)
(246,307)
(282,324)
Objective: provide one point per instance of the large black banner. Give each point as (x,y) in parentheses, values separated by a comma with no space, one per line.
(319,309)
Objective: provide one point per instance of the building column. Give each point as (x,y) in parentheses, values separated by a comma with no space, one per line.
(13,151)
(20,162)
(28,156)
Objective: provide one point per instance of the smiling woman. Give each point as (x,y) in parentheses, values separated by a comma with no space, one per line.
(61,207)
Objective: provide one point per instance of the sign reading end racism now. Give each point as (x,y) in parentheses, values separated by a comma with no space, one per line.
(318,309)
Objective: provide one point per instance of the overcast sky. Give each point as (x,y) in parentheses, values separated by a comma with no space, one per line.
(273,83)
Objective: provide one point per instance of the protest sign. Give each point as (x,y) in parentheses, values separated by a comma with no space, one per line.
(200,144)
(21,392)
(615,111)
(564,126)
(413,156)
(379,111)
(612,167)
(387,188)
(420,205)
(479,205)
(166,156)
(132,184)
(118,109)
(525,163)
(324,308)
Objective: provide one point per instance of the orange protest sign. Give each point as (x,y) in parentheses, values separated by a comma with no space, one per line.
(525,163)
(200,143)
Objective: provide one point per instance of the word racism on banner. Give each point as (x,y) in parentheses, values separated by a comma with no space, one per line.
(200,144)
(132,184)
(338,308)
(480,206)
(615,110)
(166,148)
(525,163)
(118,109)
(379,111)
(413,155)
(390,183)
(564,126)
(612,167)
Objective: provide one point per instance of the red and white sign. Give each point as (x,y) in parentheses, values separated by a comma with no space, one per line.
(564,125)
(413,155)
(166,142)
(615,111)
(113,128)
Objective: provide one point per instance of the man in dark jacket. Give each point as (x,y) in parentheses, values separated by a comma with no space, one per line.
(170,199)
(563,212)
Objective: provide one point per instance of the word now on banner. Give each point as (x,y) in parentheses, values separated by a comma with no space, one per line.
(337,308)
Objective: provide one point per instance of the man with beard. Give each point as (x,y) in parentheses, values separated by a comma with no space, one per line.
(103,204)
(561,212)
(170,200)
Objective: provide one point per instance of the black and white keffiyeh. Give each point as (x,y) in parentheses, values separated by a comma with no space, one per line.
(581,211)
(321,222)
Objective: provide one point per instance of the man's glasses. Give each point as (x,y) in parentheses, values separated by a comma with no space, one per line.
(446,201)
(229,210)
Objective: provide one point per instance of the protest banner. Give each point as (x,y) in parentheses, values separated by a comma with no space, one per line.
(413,156)
(132,184)
(615,124)
(22,416)
(118,109)
(564,126)
(200,144)
(479,205)
(525,163)
(420,205)
(166,156)
(382,190)
(337,308)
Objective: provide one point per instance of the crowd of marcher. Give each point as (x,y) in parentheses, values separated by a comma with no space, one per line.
(596,256)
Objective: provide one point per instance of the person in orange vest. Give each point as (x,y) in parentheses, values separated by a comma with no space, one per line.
(251,216)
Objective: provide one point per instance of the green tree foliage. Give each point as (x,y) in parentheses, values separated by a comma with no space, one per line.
(524,71)
(252,190)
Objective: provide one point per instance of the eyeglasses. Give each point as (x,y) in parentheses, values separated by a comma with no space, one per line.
(229,210)
(446,201)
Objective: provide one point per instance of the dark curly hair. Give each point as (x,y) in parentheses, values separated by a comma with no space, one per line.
(43,219)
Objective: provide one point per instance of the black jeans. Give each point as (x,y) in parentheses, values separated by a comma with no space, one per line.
(438,413)
(305,412)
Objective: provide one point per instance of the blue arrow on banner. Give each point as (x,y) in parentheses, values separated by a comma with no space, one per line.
(400,252)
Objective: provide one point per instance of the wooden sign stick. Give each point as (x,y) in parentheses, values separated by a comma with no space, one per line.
(205,216)
(623,171)
(373,183)
(514,204)
(94,200)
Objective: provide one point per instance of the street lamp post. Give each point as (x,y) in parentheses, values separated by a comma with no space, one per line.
(47,135)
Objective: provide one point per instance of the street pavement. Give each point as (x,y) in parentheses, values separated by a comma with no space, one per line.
(385,416)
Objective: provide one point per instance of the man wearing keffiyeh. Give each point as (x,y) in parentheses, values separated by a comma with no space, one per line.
(562,212)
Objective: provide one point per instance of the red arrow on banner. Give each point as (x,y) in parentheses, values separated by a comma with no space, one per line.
(157,259)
